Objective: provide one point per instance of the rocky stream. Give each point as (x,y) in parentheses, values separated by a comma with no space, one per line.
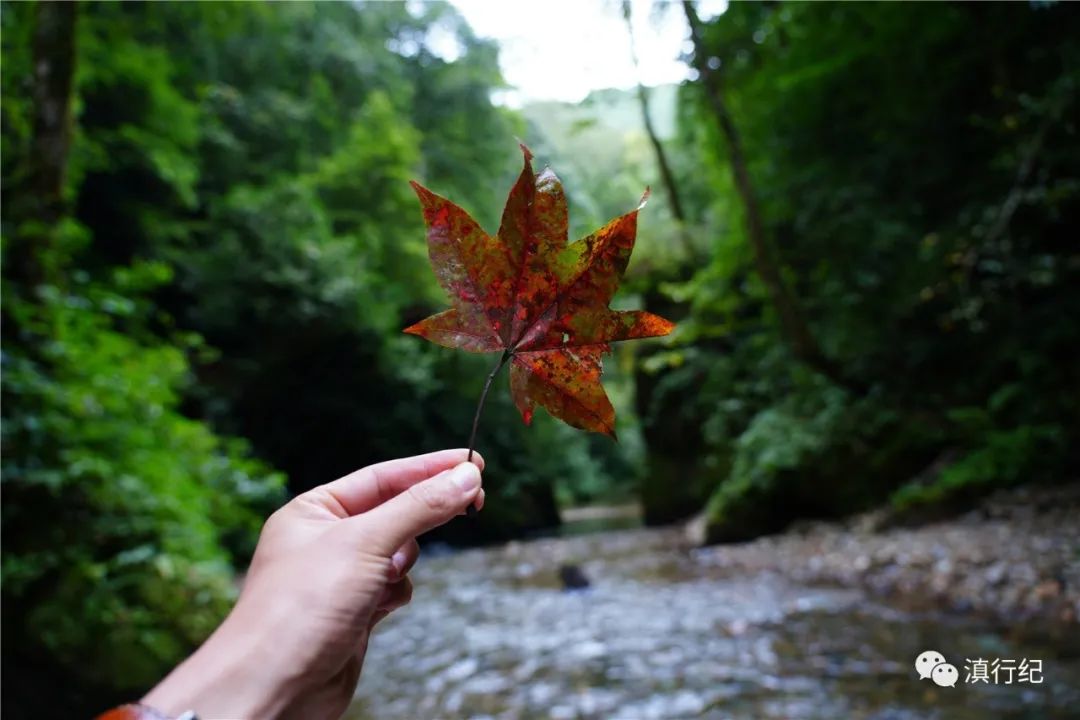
(824,621)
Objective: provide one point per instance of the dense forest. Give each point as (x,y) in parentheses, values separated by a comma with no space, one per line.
(864,221)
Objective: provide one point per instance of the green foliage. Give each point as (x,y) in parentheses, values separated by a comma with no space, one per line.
(604,158)
(919,180)
(242,253)
(122,518)
(995,459)
(817,452)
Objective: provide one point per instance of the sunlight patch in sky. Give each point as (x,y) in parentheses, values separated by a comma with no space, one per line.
(564,49)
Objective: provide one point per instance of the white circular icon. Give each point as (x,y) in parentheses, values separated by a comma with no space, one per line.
(927,661)
(944,675)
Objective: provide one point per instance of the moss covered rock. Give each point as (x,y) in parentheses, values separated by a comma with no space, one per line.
(836,459)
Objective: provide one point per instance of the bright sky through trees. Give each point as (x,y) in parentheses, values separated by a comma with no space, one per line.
(563,49)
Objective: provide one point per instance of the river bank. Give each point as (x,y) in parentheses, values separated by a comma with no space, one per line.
(1015,558)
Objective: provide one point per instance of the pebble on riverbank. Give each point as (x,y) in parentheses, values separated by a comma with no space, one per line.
(1015,558)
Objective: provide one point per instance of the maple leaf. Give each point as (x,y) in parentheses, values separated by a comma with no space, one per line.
(539,300)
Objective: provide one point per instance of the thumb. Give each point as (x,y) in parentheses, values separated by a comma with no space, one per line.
(423,506)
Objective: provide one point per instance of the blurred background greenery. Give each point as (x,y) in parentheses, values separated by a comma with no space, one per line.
(864,221)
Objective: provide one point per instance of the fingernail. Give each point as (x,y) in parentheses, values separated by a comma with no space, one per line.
(398,561)
(466,476)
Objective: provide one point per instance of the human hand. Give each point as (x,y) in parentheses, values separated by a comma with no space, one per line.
(329,566)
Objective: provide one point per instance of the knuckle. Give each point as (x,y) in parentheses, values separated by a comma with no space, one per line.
(431,497)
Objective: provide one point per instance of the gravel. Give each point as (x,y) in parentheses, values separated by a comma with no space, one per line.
(1015,558)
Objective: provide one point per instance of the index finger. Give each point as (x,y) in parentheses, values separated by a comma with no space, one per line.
(371,486)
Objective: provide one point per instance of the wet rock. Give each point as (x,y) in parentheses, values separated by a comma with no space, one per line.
(489,683)
(461,670)
(562,712)
(996,574)
(588,650)
(573,577)
(685,704)
(695,530)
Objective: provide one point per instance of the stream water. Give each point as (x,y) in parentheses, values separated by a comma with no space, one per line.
(491,633)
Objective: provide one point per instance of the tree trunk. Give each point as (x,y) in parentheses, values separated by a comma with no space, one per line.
(41,199)
(666,175)
(792,322)
(54,72)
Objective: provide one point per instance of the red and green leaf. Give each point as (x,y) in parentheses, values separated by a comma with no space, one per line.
(529,294)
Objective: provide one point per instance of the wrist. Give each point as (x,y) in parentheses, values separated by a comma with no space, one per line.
(231,676)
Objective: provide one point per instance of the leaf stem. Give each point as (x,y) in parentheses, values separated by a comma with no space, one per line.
(471,511)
